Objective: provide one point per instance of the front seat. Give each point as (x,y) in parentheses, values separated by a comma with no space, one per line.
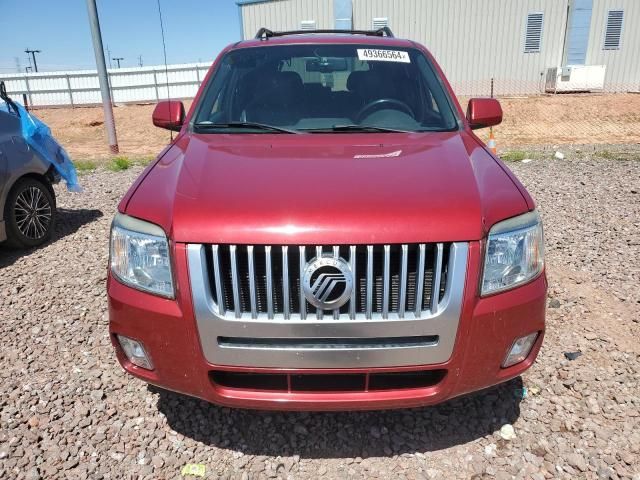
(276,100)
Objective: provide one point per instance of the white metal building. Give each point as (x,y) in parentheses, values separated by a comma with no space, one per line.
(527,46)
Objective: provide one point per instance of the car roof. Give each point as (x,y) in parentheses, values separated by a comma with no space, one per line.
(326,39)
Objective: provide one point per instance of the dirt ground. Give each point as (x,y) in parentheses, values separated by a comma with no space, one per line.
(82,133)
(543,120)
(570,119)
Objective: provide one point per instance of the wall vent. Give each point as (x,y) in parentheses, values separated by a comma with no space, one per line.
(380,22)
(308,25)
(613,33)
(533,35)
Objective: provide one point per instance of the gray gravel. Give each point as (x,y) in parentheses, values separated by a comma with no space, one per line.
(68,411)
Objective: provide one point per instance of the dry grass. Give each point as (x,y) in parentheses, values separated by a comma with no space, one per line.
(543,120)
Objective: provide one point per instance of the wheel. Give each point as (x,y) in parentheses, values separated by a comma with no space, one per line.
(30,213)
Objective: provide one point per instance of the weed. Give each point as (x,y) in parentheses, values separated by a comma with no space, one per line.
(514,156)
(85,165)
(144,161)
(606,155)
(118,164)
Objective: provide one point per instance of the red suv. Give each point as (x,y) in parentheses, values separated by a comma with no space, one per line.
(326,232)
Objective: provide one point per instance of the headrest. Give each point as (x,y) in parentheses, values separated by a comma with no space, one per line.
(355,80)
(279,87)
(289,80)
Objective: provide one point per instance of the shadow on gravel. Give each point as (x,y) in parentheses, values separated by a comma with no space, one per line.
(343,434)
(67,223)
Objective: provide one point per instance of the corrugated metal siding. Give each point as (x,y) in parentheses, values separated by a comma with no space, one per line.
(475,40)
(286,15)
(623,65)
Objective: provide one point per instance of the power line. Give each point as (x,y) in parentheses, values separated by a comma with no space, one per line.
(33,54)
(166,67)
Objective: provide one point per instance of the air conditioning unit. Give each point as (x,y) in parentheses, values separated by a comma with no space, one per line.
(575,78)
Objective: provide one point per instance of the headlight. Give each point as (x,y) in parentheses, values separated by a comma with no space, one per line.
(139,255)
(514,254)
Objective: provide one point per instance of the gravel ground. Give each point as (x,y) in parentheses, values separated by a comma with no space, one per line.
(68,411)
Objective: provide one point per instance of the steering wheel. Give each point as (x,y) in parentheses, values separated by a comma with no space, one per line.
(383,102)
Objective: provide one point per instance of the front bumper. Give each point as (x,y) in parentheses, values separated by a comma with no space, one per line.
(486,330)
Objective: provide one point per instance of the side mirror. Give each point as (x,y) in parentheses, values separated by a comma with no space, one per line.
(169,114)
(484,112)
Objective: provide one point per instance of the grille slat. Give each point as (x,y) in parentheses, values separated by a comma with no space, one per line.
(353,264)
(420,278)
(218,282)
(302,262)
(318,255)
(252,283)
(269,292)
(435,296)
(235,280)
(385,282)
(336,254)
(369,282)
(389,281)
(285,282)
(403,281)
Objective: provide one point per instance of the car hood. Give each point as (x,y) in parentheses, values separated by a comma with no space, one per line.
(326,189)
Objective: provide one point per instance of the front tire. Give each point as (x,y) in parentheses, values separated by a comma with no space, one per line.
(30,213)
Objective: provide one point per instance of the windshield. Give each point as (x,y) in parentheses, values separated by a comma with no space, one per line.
(320,88)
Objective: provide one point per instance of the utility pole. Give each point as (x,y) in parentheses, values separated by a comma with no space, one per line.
(33,54)
(117,59)
(109,56)
(140,60)
(109,122)
(18,65)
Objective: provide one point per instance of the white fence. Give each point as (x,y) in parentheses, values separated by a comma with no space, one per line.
(128,85)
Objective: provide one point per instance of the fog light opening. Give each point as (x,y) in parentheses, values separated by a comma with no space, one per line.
(135,352)
(520,350)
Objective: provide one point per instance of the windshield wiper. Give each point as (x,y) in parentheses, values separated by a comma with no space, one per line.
(247,125)
(356,128)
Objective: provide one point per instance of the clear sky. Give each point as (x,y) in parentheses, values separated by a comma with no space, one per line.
(195,30)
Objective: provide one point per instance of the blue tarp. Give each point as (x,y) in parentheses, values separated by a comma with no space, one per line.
(38,136)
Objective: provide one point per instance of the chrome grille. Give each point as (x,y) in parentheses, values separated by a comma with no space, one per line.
(390,281)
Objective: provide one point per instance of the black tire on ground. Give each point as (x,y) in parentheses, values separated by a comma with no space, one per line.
(29,213)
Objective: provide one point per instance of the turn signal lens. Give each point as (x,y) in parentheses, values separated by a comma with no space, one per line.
(134,350)
(520,350)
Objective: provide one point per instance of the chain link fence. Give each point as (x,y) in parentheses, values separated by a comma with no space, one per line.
(552,112)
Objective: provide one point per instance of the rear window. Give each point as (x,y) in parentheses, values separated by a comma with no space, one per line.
(319,87)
